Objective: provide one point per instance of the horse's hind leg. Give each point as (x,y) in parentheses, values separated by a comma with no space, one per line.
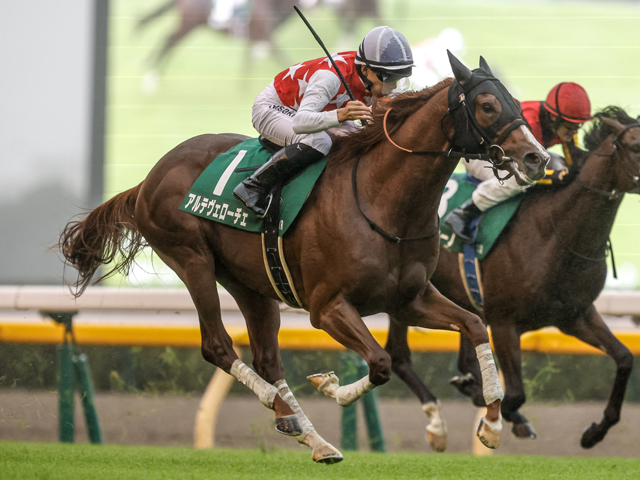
(263,322)
(591,329)
(431,309)
(196,268)
(398,349)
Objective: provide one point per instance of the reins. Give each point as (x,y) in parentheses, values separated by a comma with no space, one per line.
(449,153)
(373,225)
(609,195)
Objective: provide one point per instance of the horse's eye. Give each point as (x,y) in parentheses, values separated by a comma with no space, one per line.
(487,108)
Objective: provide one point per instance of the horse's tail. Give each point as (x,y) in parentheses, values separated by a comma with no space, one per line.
(107,235)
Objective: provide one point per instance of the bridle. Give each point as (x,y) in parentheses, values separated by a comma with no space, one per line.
(495,155)
(620,155)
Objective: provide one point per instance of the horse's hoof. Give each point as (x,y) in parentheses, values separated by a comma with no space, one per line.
(437,428)
(489,433)
(326,383)
(437,442)
(591,436)
(327,454)
(524,430)
(289,425)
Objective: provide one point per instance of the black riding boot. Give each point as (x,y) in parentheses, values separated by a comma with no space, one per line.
(280,168)
(459,220)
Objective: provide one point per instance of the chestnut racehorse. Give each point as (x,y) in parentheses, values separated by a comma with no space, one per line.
(553,257)
(342,268)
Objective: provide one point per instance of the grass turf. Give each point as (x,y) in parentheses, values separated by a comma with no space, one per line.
(27,461)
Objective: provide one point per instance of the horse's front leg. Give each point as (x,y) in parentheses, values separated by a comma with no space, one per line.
(591,329)
(398,349)
(340,319)
(469,382)
(506,342)
(430,309)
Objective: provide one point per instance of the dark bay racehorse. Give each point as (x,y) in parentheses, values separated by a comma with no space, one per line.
(553,258)
(341,267)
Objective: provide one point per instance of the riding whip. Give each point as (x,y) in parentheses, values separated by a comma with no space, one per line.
(335,67)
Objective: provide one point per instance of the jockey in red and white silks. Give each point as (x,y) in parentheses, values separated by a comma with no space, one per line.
(552,122)
(305,100)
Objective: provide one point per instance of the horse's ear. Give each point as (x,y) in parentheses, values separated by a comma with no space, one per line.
(615,125)
(485,66)
(460,71)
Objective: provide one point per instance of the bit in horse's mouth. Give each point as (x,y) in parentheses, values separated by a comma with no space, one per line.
(521,177)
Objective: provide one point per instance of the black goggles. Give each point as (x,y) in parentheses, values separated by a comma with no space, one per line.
(386,77)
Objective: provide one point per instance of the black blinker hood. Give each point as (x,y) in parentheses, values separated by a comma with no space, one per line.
(470,136)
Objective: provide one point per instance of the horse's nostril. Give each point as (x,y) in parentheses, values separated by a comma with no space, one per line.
(533,159)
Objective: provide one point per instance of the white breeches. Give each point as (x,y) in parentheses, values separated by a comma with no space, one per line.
(274,122)
(491,192)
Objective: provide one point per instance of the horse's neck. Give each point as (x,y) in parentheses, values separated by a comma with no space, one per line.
(584,206)
(404,188)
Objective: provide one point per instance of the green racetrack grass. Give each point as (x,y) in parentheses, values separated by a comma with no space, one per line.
(27,461)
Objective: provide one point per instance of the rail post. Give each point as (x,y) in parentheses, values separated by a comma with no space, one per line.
(72,371)
(349,420)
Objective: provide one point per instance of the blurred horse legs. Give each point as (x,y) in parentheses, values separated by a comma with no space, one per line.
(591,329)
(158,12)
(398,349)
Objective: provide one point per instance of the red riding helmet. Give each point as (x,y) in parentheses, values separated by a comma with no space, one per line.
(570,102)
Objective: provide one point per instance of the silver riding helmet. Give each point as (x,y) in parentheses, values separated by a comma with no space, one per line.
(388,53)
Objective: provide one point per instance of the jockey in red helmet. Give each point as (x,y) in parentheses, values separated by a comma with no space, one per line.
(552,122)
(305,100)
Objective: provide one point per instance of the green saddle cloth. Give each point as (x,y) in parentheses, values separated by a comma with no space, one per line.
(458,190)
(211,196)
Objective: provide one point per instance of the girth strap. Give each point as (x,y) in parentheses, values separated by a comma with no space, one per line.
(273,255)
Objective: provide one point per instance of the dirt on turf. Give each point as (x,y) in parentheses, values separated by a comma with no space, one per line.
(243,423)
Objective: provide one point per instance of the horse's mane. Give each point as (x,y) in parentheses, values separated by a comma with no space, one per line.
(363,140)
(599,130)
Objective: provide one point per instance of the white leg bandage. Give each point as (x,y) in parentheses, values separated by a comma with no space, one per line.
(287,396)
(348,394)
(491,387)
(436,425)
(265,391)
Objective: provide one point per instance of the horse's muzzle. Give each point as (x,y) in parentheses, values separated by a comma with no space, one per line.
(535,164)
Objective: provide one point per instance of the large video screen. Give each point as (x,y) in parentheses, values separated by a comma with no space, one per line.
(211,73)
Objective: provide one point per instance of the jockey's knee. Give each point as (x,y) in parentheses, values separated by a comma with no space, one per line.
(319,141)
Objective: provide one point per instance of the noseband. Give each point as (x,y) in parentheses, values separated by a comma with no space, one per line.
(470,138)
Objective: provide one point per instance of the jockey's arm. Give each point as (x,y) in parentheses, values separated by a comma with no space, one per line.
(310,118)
